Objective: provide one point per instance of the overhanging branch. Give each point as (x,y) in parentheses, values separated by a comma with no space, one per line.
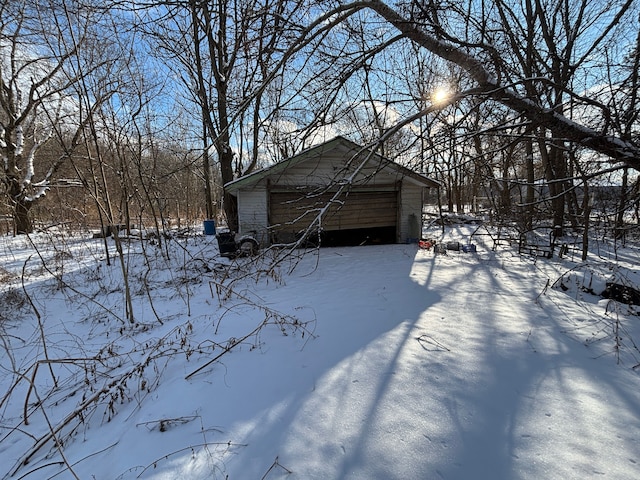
(615,148)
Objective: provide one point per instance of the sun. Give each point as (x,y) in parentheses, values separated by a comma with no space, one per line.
(440,95)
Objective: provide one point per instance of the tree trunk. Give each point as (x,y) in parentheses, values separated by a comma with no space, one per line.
(530,193)
(622,205)
(231,211)
(586,211)
(206,171)
(21,217)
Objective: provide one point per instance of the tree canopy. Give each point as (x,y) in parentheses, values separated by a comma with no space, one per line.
(541,90)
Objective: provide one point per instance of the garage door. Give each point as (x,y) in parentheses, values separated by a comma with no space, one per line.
(290,213)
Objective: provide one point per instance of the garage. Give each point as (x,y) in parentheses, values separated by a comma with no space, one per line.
(346,193)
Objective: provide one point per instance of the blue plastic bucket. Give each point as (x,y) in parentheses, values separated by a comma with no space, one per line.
(209,227)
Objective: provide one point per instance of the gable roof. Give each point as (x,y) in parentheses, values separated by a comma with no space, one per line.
(339,142)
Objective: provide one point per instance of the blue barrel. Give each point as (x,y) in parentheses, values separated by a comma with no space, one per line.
(209,227)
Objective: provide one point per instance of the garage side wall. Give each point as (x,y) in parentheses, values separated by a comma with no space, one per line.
(252,213)
(410,212)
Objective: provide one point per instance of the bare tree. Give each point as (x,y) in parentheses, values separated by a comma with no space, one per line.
(33,101)
(460,34)
(227,54)
(624,81)
(490,72)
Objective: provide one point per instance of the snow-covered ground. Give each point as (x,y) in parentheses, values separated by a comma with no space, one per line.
(378,362)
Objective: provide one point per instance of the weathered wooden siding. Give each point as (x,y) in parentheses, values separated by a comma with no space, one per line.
(334,167)
(252,213)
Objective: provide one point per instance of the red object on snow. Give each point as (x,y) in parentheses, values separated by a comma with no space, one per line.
(425,244)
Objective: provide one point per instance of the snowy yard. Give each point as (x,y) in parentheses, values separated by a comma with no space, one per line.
(379,362)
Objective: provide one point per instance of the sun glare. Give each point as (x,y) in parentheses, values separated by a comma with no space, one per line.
(440,95)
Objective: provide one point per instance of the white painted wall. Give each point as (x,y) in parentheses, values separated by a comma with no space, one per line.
(252,213)
(411,198)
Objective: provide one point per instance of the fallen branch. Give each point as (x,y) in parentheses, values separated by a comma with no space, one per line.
(424,338)
(227,349)
(154,464)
